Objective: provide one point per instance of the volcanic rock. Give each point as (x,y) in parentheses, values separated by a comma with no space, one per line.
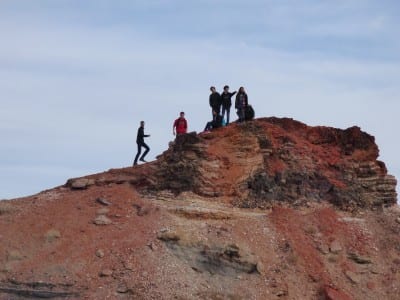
(80,183)
(102,220)
(248,211)
(100,253)
(103,201)
(335,247)
(52,235)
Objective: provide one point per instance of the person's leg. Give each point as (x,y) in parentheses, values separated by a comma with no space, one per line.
(223,112)
(243,116)
(228,112)
(145,152)
(207,128)
(139,150)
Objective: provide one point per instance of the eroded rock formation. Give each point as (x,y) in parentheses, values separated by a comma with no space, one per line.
(269,209)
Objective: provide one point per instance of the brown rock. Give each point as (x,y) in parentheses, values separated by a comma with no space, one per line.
(354,278)
(122,289)
(168,236)
(100,253)
(331,293)
(128,266)
(13,255)
(106,273)
(52,235)
(359,259)
(398,220)
(102,220)
(103,201)
(80,183)
(335,247)
(102,211)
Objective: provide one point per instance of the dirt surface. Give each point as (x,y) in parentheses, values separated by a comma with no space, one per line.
(134,234)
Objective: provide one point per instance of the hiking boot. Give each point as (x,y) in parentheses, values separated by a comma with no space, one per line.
(142,159)
(135,164)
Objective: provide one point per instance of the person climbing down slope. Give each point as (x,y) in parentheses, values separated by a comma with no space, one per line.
(140,143)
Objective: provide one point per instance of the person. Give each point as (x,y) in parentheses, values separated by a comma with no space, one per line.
(241,104)
(226,103)
(215,123)
(180,125)
(215,101)
(140,143)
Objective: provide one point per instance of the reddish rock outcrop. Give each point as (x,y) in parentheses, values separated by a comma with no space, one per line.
(268,209)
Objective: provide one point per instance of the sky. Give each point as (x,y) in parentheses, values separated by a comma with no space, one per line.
(77,77)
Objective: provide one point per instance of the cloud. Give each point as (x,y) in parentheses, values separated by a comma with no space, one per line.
(76,81)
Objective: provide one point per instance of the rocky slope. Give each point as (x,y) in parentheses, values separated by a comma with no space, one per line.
(269,209)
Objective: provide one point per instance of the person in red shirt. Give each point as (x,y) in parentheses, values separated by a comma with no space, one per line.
(180,125)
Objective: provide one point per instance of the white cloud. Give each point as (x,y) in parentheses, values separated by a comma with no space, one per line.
(72,94)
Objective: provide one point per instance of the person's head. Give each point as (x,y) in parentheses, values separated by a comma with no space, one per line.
(182,114)
(141,123)
(226,88)
(212,89)
(241,90)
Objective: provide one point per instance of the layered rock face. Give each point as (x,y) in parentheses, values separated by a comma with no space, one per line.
(268,209)
(272,160)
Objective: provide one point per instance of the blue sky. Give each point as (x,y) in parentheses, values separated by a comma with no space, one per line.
(76,77)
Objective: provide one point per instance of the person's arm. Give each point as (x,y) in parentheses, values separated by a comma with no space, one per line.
(246,101)
(186,126)
(237,101)
(173,128)
(232,94)
(211,104)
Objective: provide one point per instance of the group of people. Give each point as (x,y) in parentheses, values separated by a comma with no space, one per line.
(218,102)
(223,102)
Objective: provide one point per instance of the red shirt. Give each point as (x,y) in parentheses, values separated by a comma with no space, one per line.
(181,125)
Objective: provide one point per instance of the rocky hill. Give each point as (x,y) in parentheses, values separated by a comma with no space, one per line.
(269,209)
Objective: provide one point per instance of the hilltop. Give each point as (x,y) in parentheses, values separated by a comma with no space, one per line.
(268,209)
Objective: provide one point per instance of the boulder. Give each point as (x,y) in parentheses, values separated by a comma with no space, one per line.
(102,220)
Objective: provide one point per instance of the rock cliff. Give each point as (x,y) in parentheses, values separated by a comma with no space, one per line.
(268,209)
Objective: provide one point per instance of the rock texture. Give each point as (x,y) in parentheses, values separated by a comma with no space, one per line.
(269,209)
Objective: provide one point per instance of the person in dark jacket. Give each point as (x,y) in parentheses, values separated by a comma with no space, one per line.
(241,104)
(226,103)
(215,123)
(140,143)
(215,101)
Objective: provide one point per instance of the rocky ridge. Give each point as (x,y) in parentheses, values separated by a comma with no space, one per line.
(269,209)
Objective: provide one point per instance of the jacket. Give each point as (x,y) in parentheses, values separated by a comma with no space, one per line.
(215,100)
(241,104)
(181,125)
(226,99)
(140,135)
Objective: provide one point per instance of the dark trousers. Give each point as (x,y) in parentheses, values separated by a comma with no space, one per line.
(139,150)
(217,109)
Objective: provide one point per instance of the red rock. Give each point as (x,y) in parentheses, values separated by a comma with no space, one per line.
(276,189)
(334,294)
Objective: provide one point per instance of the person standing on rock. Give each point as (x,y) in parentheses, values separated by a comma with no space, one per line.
(215,101)
(180,125)
(226,102)
(241,104)
(140,143)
